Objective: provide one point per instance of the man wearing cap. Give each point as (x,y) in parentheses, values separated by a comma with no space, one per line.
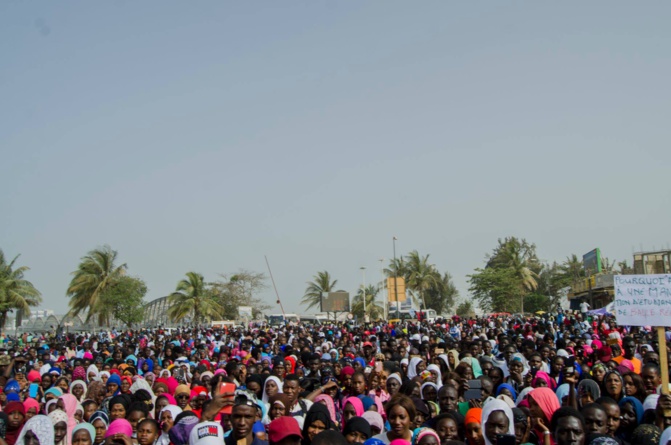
(284,431)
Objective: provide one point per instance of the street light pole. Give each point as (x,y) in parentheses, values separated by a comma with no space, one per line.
(363,290)
(395,282)
(385,299)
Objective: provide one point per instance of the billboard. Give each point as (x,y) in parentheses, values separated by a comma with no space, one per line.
(391,289)
(591,261)
(335,302)
(245,313)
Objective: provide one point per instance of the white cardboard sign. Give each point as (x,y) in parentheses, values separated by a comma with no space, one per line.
(643,300)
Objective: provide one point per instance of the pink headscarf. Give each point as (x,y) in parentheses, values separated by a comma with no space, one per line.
(172,385)
(119,426)
(170,398)
(31,403)
(549,381)
(70,403)
(356,403)
(546,400)
(329,405)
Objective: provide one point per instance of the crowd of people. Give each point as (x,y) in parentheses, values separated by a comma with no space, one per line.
(556,379)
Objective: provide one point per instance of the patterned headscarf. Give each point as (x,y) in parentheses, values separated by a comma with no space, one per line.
(41,427)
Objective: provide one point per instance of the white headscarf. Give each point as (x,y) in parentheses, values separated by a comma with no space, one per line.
(666,436)
(275,379)
(412,367)
(496,405)
(41,426)
(436,368)
(91,370)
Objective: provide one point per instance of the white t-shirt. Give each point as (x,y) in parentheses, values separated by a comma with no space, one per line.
(584,307)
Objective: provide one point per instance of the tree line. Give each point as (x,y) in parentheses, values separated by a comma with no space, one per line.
(426,285)
(102,290)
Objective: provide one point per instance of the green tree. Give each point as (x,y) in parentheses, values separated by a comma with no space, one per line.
(16,293)
(240,289)
(321,284)
(96,272)
(442,296)
(192,298)
(422,276)
(124,300)
(373,308)
(495,290)
(435,291)
(465,309)
(518,256)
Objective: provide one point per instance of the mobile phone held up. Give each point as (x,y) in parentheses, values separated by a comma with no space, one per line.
(569,368)
(505,439)
(227,388)
(474,391)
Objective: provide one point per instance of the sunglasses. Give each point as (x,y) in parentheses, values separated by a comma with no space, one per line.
(182,396)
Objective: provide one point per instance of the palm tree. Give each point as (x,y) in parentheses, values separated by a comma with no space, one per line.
(321,284)
(373,309)
(192,298)
(421,276)
(573,268)
(96,273)
(520,258)
(16,293)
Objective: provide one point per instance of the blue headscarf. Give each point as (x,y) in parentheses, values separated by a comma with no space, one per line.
(12,386)
(638,407)
(509,388)
(150,365)
(367,402)
(114,378)
(361,361)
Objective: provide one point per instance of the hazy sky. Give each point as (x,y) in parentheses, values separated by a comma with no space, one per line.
(203,136)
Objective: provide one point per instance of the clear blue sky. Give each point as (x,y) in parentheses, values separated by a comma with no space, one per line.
(203,136)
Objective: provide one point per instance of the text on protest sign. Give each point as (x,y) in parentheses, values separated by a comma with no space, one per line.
(643,300)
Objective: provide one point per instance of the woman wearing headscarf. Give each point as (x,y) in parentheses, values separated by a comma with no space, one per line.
(78,389)
(69,403)
(497,418)
(272,386)
(631,415)
(506,389)
(317,420)
(351,407)
(588,392)
(100,422)
(543,379)
(475,366)
(183,396)
(166,418)
(542,404)
(436,374)
(84,433)
(425,436)
(92,374)
(16,418)
(473,427)
(96,391)
(394,383)
(39,427)
(357,430)
(327,401)
(32,407)
(113,385)
(184,423)
(613,385)
(413,370)
(60,422)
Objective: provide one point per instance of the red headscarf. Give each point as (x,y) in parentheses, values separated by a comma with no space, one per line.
(546,400)
(12,435)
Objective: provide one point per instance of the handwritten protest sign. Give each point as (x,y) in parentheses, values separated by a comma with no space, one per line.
(643,300)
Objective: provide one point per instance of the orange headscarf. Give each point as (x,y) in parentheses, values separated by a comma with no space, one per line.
(474,415)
